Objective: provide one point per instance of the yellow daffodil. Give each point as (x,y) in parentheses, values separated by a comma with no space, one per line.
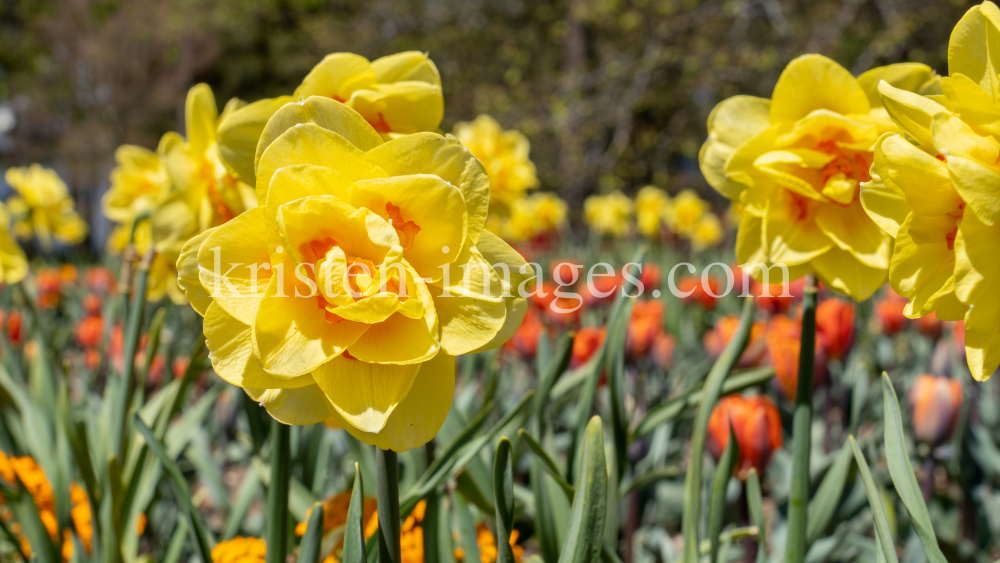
(139,183)
(936,191)
(652,206)
(366,269)
(707,232)
(13,262)
(685,211)
(609,214)
(397,95)
(505,156)
(796,162)
(43,207)
(534,215)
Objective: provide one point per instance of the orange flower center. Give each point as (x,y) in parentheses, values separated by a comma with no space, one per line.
(406,230)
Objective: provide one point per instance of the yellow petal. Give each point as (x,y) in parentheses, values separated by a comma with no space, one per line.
(923,179)
(13,262)
(976,273)
(790,232)
(813,82)
(469,304)
(294,182)
(825,124)
(234,266)
(302,406)
(904,76)
(516,276)
(322,144)
(409,65)
(421,413)
(979,187)
(841,271)
(435,207)
(852,230)
(396,340)
(912,112)
(337,76)
(732,123)
(922,264)
(292,335)
(969,100)
(953,137)
(364,394)
(430,153)
(750,240)
(974,47)
(239,132)
(172,224)
(200,113)
(188,277)
(884,202)
(230,347)
(400,107)
(359,232)
(740,167)
(799,170)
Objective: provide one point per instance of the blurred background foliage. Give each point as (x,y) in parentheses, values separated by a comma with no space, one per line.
(613,94)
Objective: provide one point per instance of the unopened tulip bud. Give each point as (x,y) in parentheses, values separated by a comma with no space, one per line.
(835,321)
(757,426)
(934,404)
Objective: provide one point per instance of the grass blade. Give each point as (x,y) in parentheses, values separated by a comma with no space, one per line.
(827,498)
(883,532)
(354,532)
(503,494)
(717,503)
(547,462)
(312,542)
(276,533)
(756,506)
(585,538)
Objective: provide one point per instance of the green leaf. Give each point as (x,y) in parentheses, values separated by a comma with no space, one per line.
(902,474)
(585,538)
(827,498)
(276,533)
(713,385)
(717,502)
(547,462)
(176,546)
(672,408)
(883,532)
(466,527)
(467,487)
(202,536)
(615,368)
(310,549)
(554,368)
(354,531)
(547,516)
(798,497)
(245,496)
(503,494)
(756,505)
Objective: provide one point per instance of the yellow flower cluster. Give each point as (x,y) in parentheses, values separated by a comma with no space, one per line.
(13,262)
(796,163)
(240,550)
(532,216)
(505,156)
(365,270)
(43,207)
(686,215)
(935,189)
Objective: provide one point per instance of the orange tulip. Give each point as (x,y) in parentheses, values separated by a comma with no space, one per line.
(757,426)
(783,345)
(100,280)
(702,294)
(67,274)
(645,323)
(934,404)
(525,340)
(49,285)
(650,276)
(544,295)
(662,350)
(92,304)
(89,332)
(605,288)
(770,298)
(12,325)
(564,270)
(716,339)
(835,322)
(889,311)
(588,340)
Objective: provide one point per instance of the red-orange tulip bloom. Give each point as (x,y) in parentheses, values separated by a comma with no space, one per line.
(525,340)
(89,332)
(757,426)
(770,297)
(783,345)
(645,323)
(662,350)
(934,403)
(716,339)
(588,340)
(835,321)
(12,325)
(650,276)
(92,304)
(565,270)
(889,311)
(100,280)
(49,285)
(702,294)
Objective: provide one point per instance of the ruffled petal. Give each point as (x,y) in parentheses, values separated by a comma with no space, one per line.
(813,82)
(365,394)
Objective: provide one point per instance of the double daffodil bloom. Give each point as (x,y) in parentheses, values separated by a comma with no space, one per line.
(685,211)
(796,163)
(936,191)
(13,263)
(609,214)
(707,232)
(505,156)
(397,95)
(534,215)
(43,207)
(652,206)
(203,193)
(348,292)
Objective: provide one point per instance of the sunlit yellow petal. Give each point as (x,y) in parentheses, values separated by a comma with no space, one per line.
(364,394)
(813,82)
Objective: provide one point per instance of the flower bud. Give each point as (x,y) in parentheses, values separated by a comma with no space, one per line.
(835,322)
(588,340)
(934,404)
(645,323)
(889,311)
(757,426)
(783,344)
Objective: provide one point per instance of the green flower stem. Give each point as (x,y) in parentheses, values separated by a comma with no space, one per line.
(132,330)
(387,484)
(798,502)
(277,494)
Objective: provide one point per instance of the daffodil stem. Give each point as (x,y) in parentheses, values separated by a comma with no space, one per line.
(798,502)
(132,330)
(277,494)
(387,483)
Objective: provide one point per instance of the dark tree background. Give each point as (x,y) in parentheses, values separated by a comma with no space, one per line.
(612,93)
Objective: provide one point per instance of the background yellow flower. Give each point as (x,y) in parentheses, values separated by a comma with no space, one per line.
(43,207)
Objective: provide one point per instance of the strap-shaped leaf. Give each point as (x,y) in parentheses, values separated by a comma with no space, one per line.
(717,503)
(547,462)
(902,474)
(584,540)
(503,494)
(312,542)
(756,505)
(354,532)
(824,503)
(883,533)
(554,368)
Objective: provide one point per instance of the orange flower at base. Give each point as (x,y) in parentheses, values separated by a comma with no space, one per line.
(488,545)
(934,404)
(835,322)
(587,341)
(240,550)
(662,350)
(716,339)
(757,426)
(335,515)
(771,298)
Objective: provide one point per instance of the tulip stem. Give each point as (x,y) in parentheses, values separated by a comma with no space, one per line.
(387,483)
(277,494)
(132,329)
(798,502)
